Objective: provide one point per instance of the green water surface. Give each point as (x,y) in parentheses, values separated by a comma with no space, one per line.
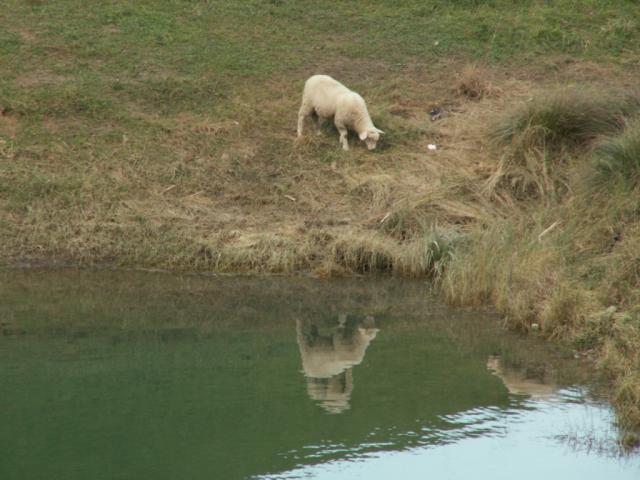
(135,376)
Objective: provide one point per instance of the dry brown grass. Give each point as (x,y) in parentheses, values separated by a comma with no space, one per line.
(220,191)
(475,82)
(565,259)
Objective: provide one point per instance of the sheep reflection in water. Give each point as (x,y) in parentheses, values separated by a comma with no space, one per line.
(520,382)
(328,358)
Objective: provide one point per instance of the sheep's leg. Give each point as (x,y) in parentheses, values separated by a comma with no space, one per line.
(343,137)
(304,112)
(319,121)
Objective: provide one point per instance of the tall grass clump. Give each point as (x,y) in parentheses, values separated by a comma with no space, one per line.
(364,254)
(618,159)
(620,359)
(566,309)
(505,266)
(264,252)
(530,173)
(538,138)
(564,118)
(473,83)
(428,254)
(376,189)
(405,223)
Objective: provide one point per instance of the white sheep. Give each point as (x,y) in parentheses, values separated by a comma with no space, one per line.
(325,97)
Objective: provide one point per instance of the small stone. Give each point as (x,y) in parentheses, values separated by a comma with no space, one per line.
(436,114)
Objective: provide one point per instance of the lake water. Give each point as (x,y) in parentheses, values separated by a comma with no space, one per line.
(136,376)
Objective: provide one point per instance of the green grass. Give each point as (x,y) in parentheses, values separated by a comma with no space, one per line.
(567,118)
(568,262)
(618,159)
(549,130)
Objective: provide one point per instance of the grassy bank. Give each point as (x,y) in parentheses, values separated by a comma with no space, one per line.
(162,135)
(566,262)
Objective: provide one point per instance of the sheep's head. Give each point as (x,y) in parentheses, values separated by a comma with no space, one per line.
(371,137)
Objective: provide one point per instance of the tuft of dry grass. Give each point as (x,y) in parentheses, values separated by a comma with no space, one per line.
(506,266)
(376,189)
(619,157)
(364,253)
(428,254)
(259,252)
(474,83)
(539,139)
(405,222)
(570,117)
(565,309)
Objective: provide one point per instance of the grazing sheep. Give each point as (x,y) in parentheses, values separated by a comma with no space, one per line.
(325,97)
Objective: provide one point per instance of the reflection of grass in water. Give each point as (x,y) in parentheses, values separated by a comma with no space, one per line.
(76,300)
(589,439)
(592,442)
(81,303)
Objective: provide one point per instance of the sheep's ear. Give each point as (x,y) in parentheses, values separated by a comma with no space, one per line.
(379,131)
(363,135)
